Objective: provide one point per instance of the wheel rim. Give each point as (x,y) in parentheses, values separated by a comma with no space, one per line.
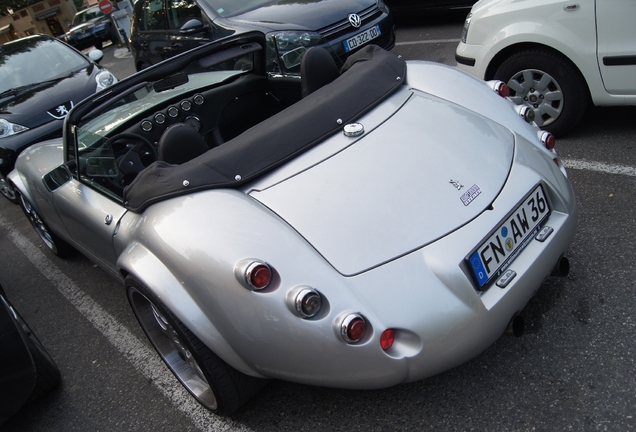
(172,350)
(38,224)
(7,190)
(539,91)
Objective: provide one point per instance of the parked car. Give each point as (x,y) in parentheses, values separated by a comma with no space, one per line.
(407,6)
(385,227)
(164,28)
(90,27)
(41,79)
(558,57)
(27,371)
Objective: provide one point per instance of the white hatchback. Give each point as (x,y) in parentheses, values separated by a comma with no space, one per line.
(557,57)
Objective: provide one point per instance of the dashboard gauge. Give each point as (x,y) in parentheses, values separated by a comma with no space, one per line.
(160,118)
(173,111)
(198,99)
(146,125)
(186,105)
(193,122)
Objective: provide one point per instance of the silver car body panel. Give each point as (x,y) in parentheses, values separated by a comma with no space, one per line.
(184,249)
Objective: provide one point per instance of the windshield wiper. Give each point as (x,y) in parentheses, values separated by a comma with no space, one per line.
(21,89)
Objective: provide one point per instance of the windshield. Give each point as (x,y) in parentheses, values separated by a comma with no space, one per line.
(22,64)
(143,101)
(86,16)
(228,8)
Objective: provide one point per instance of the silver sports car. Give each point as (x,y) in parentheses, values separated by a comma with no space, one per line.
(354,228)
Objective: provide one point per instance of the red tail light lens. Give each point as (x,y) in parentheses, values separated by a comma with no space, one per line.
(548,140)
(258,275)
(499,87)
(353,328)
(387,339)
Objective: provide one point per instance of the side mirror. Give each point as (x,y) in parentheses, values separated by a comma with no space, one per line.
(192,26)
(96,55)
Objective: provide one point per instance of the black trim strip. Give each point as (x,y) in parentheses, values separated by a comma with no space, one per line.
(465,60)
(620,60)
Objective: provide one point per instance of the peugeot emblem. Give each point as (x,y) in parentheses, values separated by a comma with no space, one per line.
(355,20)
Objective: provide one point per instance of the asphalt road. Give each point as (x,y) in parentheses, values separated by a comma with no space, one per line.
(572,370)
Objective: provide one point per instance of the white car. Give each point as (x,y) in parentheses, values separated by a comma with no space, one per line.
(556,56)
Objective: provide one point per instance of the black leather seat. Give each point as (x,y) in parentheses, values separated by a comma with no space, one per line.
(180,143)
(317,68)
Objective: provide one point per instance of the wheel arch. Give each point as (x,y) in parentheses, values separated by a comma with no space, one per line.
(140,263)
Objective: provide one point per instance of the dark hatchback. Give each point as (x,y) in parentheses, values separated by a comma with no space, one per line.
(164,28)
(90,27)
(41,78)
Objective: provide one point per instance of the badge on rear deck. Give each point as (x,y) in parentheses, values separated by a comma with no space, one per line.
(470,194)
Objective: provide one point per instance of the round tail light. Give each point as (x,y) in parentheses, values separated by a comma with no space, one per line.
(308,303)
(548,140)
(387,338)
(526,113)
(353,328)
(258,275)
(500,87)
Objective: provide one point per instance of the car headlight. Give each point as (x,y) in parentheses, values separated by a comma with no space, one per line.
(105,79)
(466,27)
(291,45)
(7,128)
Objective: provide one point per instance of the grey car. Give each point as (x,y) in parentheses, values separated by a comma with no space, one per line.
(359,228)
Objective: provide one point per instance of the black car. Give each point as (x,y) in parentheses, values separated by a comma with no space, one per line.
(164,28)
(41,78)
(27,371)
(90,27)
(406,6)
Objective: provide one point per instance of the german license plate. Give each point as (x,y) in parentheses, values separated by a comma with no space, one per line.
(361,38)
(495,253)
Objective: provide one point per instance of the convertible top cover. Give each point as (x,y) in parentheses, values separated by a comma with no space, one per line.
(367,78)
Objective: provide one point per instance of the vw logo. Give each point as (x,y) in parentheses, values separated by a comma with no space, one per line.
(355,20)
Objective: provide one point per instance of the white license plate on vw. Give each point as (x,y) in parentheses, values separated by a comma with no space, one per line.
(504,244)
(361,38)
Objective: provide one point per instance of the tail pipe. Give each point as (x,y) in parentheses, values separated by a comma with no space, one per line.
(516,326)
(562,268)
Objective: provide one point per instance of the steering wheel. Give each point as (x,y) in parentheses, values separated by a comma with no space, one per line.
(130,162)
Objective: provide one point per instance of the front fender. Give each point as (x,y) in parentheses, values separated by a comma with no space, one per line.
(138,261)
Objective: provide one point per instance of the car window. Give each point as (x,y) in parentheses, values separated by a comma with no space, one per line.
(154,15)
(181,11)
(17,65)
(112,147)
(87,15)
(228,8)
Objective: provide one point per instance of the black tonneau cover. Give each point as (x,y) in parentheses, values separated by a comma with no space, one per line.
(368,77)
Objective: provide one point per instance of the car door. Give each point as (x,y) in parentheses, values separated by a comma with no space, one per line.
(92,220)
(616,47)
(150,39)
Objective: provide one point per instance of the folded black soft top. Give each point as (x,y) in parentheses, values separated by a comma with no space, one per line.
(368,77)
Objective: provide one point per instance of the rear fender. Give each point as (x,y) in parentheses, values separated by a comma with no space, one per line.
(138,261)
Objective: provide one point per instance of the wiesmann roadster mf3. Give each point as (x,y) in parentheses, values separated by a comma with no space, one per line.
(354,228)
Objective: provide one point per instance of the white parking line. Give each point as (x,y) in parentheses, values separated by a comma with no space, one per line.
(428,41)
(599,167)
(142,358)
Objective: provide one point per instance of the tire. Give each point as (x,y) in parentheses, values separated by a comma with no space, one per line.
(548,83)
(55,244)
(214,384)
(8,191)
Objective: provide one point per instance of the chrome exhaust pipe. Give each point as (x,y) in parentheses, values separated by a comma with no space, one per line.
(562,268)
(516,326)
